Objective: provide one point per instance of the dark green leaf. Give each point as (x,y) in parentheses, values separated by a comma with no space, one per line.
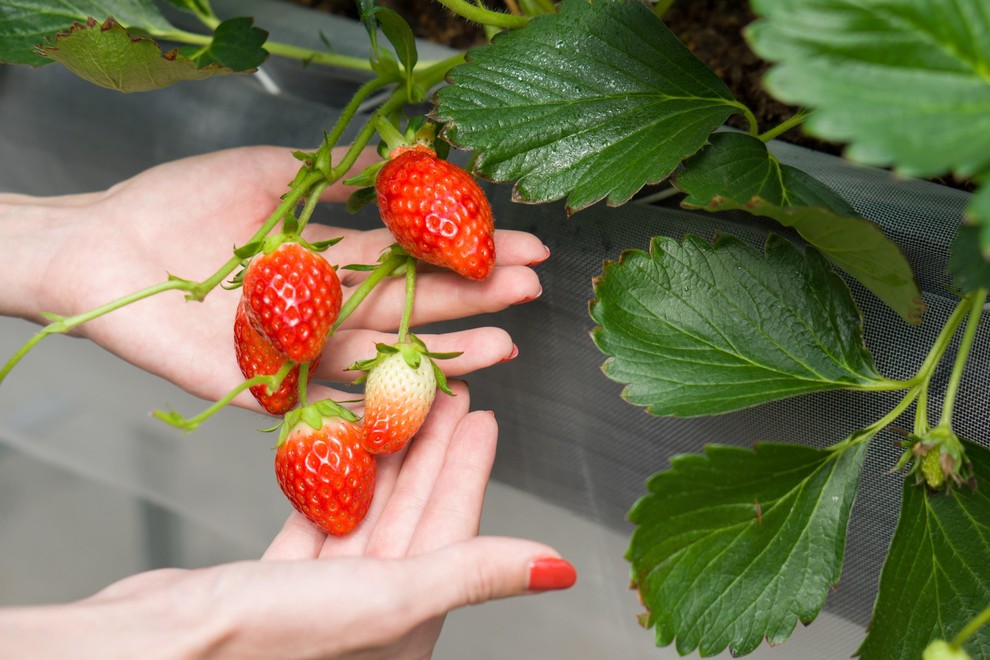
(699,329)
(738,166)
(978,213)
(399,34)
(737,172)
(360,198)
(107,56)
(736,546)
(28,24)
(236,44)
(905,83)
(935,579)
(970,269)
(591,103)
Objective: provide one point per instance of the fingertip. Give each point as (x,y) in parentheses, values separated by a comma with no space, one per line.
(551,574)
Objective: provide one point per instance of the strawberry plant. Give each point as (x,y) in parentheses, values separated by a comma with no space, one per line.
(596,100)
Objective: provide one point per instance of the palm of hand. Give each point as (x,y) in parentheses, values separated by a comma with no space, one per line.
(184,218)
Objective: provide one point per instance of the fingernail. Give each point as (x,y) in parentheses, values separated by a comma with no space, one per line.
(550,573)
(529,298)
(511,356)
(539,261)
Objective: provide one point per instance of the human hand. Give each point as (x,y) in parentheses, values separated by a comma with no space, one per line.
(71,254)
(381,592)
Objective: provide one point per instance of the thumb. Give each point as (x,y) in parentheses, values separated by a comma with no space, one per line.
(486,568)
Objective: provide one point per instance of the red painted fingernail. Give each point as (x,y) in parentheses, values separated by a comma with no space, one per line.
(511,356)
(539,261)
(549,573)
(529,298)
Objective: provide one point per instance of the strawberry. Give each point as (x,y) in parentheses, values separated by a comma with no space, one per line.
(399,390)
(293,298)
(323,470)
(257,357)
(436,211)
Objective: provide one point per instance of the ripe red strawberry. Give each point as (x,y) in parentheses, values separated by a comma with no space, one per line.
(399,390)
(257,357)
(326,474)
(437,212)
(293,298)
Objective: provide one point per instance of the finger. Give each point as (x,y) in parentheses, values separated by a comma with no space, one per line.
(299,539)
(480,570)
(444,297)
(512,248)
(453,511)
(479,348)
(420,469)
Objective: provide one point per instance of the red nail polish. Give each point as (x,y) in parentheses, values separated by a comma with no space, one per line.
(528,298)
(551,573)
(511,356)
(539,261)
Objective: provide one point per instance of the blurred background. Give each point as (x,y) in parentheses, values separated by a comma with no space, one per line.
(92,489)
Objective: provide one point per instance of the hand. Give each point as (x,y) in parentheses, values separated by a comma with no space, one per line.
(381,592)
(70,254)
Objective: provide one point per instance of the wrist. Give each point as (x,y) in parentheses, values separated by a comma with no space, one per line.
(146,622)
(34,232)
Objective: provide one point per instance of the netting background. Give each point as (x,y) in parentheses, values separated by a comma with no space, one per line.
(566,434)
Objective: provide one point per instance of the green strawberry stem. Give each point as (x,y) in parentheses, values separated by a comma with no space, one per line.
(311,201)
(794,120)
(972,306)
(303,384)
(981,619)
(190,424)
(977,300)
(387,267)
(407,306)
(484,16)
(393,138)
(347,114)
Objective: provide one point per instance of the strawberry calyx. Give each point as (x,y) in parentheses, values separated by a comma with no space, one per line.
(312,415)
(413,351)
(937,458)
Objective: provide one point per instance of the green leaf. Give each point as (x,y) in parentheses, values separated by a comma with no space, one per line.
(107,56)
(935,578)
(590,103)
(198,7)
(26,25)
(736,546)
(399,34)
(978,213)
(697,329)
(735,171)
(237,45)
(738,166)
(904,82)
(966,263)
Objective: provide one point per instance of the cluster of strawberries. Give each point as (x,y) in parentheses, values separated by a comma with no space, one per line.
(291,298)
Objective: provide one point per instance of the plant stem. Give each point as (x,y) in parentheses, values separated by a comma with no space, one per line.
(311,201)
(308,55)
(272,382)
(754,126)
(981,619)
(347,114)
(977,300)
(381,271)
(484,16)
(303,383)
(407,307)
(794,120)
(877,426)
(942,342)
